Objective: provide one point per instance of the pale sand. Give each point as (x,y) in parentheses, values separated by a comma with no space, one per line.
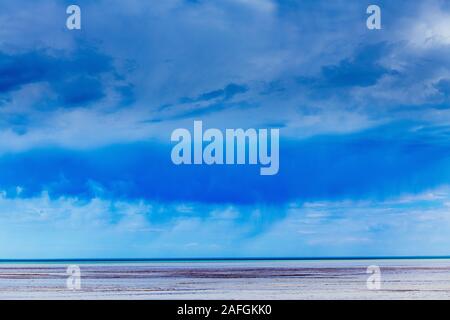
(401,279)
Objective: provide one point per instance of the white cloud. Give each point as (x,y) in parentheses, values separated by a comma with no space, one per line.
(413,224)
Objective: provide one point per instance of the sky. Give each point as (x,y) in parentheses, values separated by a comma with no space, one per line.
(86,118)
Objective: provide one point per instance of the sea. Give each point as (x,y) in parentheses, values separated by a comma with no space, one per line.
(227,279)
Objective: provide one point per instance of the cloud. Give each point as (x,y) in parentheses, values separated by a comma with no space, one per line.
(204,104)
(86,118)
(362,70)
(42,227)
(226,93)
(75,79)
(409,225)
(74,228)
(225,61)
(374,164)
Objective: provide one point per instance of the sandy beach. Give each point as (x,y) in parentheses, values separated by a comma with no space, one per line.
(401,279)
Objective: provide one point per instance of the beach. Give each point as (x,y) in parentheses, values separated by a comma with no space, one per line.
(277,279)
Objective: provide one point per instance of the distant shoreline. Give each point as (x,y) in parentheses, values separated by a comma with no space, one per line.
(226,259)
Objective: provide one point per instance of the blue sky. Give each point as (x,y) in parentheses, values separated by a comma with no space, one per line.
(86,117)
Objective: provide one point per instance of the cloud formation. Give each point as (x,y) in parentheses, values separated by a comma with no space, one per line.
(86,118)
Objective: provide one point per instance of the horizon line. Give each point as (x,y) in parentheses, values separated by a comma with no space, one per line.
(226,259)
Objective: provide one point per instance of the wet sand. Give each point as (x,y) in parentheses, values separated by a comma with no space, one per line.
(400,279)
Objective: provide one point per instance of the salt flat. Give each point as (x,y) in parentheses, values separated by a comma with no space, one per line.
(400,279)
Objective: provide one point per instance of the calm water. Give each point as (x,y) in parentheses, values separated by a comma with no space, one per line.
(227,279)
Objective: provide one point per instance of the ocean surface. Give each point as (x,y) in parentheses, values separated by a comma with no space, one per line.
(412,278)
